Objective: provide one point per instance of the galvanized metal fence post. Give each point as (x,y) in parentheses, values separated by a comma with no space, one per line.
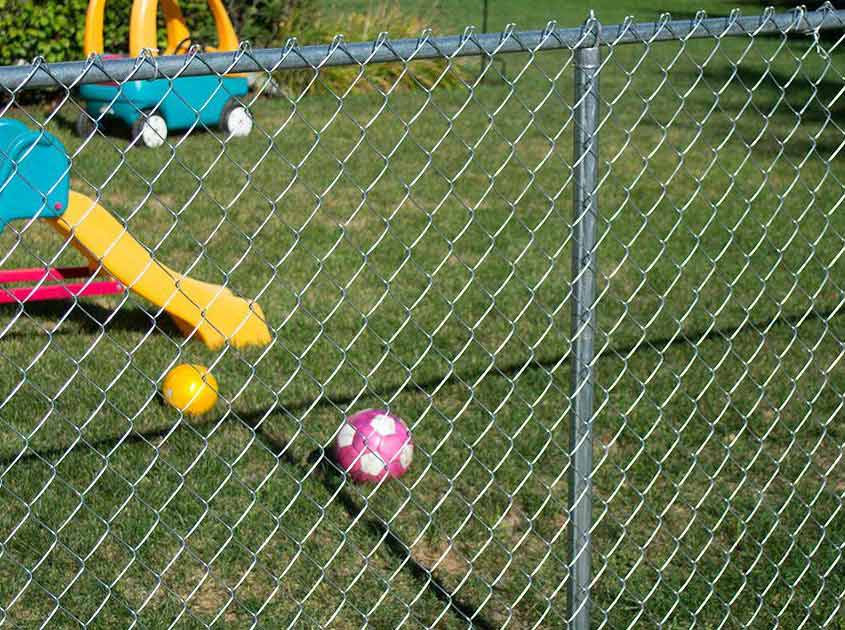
(587,61)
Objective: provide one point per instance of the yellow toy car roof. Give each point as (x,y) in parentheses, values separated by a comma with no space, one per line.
(144,34)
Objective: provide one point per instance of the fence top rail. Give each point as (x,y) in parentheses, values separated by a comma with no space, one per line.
(41,74)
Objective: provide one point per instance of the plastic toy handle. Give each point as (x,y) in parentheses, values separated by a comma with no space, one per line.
(143,32)
(227,39)
(93,39)
(177,30)
(142,27)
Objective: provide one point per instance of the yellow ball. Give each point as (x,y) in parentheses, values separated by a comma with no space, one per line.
(191,388)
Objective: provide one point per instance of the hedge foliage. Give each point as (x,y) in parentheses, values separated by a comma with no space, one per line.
(314,26)
(54,29)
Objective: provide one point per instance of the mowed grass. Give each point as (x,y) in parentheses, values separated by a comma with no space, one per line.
(414,253)
(451,16)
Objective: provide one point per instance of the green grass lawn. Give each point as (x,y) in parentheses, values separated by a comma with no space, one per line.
(416,255)
(450,16)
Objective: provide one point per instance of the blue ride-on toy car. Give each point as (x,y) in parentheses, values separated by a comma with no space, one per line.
(152,108)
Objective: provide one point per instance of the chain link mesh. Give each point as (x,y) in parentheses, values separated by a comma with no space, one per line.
(407,230)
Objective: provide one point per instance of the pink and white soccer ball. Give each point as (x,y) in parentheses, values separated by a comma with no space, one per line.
(373,444)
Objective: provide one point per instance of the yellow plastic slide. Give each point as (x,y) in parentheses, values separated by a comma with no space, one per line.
(210,311)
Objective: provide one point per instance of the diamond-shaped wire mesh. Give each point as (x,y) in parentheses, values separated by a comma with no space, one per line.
(405,231)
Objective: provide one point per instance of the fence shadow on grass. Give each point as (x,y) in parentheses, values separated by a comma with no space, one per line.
(255,418)
(329,476)
(812,100)
(89,318)
(824,93)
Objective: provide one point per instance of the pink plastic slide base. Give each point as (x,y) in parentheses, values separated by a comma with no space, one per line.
(62,291)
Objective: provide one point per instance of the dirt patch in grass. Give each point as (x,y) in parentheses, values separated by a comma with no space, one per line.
(441,559)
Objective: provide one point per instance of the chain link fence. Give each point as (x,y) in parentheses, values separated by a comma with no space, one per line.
(629,415)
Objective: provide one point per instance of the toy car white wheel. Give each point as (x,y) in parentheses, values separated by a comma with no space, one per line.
(150,130)
(236,121)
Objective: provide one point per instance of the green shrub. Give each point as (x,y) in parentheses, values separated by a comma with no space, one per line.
(315,27)
(49,29)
